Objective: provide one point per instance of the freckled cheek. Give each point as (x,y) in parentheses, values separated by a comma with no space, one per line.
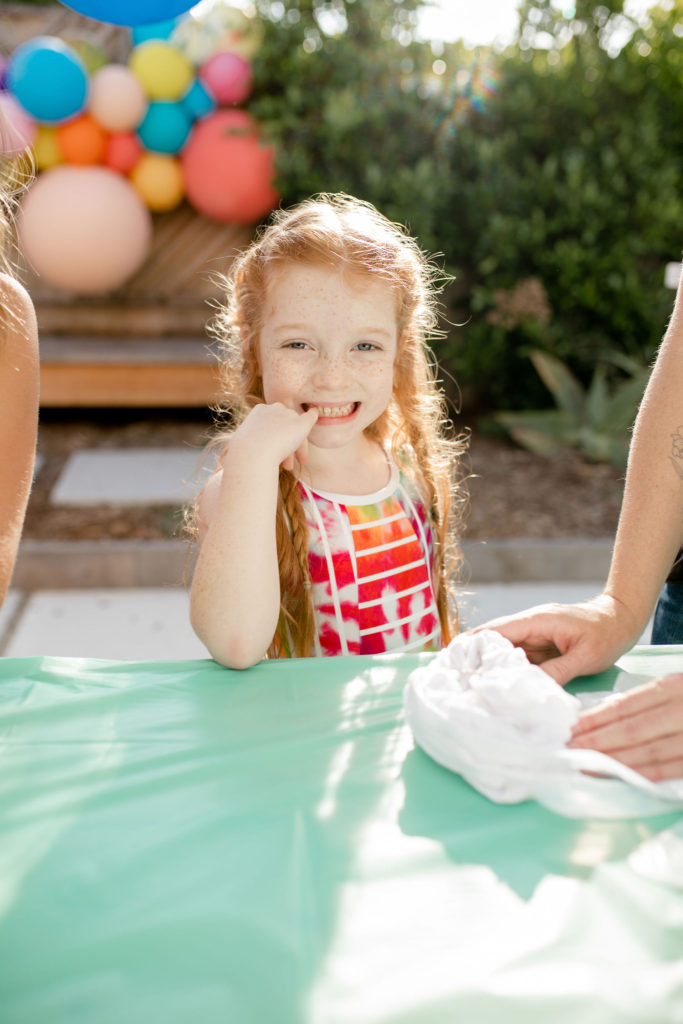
(282,382)
(378,371)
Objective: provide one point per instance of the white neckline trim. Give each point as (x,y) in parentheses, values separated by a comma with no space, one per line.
(361,499)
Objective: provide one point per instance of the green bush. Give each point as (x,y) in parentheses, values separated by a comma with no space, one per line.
(574,180)
(348,109)
(548,176)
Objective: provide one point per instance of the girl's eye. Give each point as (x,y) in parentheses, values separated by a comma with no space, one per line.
(366,346)
(298,345)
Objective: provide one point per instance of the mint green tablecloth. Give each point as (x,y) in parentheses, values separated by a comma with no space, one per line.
(181,843)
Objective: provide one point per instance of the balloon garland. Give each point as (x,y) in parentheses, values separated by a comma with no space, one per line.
(165,126)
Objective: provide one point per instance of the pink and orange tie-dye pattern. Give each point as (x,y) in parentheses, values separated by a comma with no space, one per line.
(370,565)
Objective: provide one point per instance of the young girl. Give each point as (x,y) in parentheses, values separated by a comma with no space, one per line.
(329,527)
(18,382)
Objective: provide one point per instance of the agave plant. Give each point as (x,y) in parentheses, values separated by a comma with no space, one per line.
(595,421)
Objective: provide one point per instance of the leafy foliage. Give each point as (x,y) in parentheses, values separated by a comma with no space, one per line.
(556,162)
(340,87)
(596,420)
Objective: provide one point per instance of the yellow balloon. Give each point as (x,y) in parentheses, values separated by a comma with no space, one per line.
(158,180)
(46,152)
(163,71)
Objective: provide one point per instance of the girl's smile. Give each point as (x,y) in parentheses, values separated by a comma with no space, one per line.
(332,412)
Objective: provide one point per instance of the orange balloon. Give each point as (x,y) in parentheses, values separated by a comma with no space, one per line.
(82,141)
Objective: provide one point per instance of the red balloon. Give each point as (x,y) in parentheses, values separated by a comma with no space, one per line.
(228,172)
(122,152)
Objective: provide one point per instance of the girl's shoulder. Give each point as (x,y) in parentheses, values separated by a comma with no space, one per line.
(17,314)
(15,299)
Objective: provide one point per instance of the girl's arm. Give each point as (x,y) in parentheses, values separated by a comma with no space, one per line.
(235,596)
(575,640)
(19,386)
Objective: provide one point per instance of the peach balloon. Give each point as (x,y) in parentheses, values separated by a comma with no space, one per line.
(117,99)
(159,181)
(82,141)
(228,172)
(122,152)
(84,229)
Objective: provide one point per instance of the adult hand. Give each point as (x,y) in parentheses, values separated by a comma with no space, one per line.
(643,728)
(571,640)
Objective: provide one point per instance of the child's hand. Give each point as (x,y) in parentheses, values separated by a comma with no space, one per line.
(278,430)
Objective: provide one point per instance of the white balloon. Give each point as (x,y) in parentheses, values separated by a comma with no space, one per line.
(117,99)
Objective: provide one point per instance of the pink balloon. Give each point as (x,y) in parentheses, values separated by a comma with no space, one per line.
(84,229)
(117,100)
(17,129)
(228,77)
(228,172)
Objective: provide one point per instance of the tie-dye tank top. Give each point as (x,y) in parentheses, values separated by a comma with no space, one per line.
(370,562)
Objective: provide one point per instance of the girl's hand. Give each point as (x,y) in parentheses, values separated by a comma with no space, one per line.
(643,728)
(277,430)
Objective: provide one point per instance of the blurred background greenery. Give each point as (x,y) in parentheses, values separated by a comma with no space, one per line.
(548,175)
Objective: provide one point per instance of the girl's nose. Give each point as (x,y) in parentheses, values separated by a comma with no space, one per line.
(330,371)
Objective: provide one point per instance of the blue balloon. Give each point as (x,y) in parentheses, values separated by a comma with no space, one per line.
(130,12)
(49,79)
(159,30)
(198,101)
(165,127)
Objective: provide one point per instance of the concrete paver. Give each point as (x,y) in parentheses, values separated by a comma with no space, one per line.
(135,476)
(486,601)
(141,624)
(7,614)
(152,623)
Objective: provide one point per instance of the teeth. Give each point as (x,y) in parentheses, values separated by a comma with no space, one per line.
(330,411)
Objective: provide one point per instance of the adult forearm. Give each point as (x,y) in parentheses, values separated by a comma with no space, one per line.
(651,523)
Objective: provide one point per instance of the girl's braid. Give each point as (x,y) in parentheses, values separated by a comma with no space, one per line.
(292,544)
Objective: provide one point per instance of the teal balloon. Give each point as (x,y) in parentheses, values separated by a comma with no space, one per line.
(165,127)
(49,79)
(159,30)
(130,12)
(198,101)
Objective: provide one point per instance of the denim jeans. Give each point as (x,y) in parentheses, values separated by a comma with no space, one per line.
(667,627)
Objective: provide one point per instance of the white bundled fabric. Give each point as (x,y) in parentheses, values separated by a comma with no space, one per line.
(482,710)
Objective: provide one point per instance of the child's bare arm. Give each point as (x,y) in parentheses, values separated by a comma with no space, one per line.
(235,597)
